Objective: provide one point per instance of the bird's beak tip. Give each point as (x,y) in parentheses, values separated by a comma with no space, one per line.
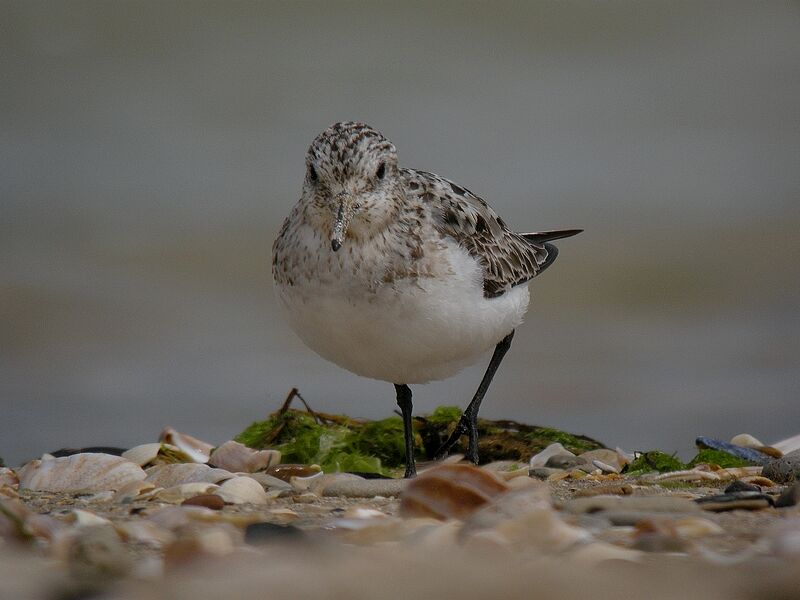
(335,245)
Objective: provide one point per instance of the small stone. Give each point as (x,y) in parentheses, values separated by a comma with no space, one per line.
(365,488)
(211,501)
(564,461)
(741,486)
(790,497)
(785,469)
(258,534)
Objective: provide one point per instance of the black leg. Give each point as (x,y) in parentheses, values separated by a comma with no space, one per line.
(469,420)
(404,402)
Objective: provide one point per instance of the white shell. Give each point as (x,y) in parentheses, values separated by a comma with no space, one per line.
(132,490)
(85,518)
(198,450)
(238,458)
(746,440)
(85,472)
(171,475)
(788,445)
(539,460)
(8,477)
(242,490)
(145,454)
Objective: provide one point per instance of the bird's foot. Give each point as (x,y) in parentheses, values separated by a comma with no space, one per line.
(461,428)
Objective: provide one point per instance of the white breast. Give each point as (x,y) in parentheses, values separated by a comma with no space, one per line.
(407,331)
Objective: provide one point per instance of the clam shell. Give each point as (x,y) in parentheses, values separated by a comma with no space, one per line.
(198,450)
(85,472)
(450,492)
(8,477)
(238,458)
(132,490)
(146,454)
(167,476)
(242,490)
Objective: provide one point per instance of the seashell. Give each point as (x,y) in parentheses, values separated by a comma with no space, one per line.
(624,457)
(85,518)
(7,491)
(605,468)
(86,472)
(286,472)
(283,515)
(788,445)
(131,491)
(526,519)
(736,501)
(270,482)
(198,450)
(238,458)
(688,475)
(746,440)
(156,453)
(540,460)
(144,532)
(450,492)
(739,472)
(8,477)
(359,512)
(214,542)
(759,480)
(507,469)
(171,475)
(178,493)
(242,490)
(211,501)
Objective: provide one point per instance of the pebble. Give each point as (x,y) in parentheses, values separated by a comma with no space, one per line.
(785,469)
(287,471)
(790,497)
(742,486)
(735,501)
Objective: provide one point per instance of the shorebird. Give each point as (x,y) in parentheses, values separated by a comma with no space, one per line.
(401,275)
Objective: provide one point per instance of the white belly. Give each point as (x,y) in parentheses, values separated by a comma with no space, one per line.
(409,331)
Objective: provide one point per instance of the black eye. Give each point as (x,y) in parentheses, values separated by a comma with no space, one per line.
(381,171)
(312,173)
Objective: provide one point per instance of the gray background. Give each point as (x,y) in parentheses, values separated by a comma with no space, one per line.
(149,151)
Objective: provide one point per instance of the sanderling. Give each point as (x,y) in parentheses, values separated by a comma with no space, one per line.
(399,274)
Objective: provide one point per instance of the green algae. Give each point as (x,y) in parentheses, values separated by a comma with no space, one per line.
(719,458)
(339,443)
(654,460)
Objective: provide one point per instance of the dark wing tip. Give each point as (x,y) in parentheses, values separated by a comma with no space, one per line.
(548,236)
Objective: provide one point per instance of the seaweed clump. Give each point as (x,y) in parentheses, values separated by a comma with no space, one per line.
(654,460)
(340,443)
(719,458)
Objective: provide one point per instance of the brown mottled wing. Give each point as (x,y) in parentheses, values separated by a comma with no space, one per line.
(508,258)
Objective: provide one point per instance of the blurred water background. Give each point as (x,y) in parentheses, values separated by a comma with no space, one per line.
(149,152)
